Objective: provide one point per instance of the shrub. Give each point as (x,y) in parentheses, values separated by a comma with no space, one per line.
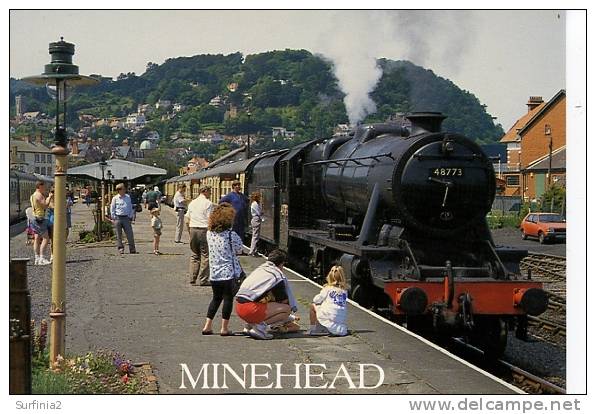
(101,372)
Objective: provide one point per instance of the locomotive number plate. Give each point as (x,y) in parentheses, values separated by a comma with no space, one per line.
(446,172)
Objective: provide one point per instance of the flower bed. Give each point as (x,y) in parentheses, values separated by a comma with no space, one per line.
(100,372)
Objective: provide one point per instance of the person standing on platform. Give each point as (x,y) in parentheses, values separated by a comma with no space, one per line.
(121,213)
(69,204)
(156,225)
(151,199)
(255,223)
(50,218)
(144,197)
(197,220)
(240,202)
(224,267)
(135,199)
(39,204)
(180,208)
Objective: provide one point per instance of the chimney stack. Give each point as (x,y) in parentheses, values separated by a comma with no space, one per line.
(533,102)
(38,139)
(27,139)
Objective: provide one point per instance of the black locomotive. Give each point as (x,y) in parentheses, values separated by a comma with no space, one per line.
(401,206)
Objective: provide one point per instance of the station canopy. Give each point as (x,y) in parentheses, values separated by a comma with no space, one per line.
(120,169)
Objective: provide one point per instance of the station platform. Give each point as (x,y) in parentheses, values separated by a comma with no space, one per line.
(144,307)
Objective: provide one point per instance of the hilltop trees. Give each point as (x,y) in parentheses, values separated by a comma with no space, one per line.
(293,89)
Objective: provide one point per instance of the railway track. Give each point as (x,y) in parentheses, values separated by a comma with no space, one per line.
(519,377)
(547,267)
(551,270)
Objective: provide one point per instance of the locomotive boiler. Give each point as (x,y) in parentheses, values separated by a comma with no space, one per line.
(401,206)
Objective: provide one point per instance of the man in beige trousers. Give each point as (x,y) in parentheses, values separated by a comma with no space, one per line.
(180,208)
(197,219)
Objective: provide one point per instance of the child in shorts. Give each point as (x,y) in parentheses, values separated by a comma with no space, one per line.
(156,225)
(329,310)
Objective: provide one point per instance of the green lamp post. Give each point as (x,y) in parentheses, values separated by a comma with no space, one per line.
(59,75)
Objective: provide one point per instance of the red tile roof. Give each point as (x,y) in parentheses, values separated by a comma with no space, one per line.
(511,135)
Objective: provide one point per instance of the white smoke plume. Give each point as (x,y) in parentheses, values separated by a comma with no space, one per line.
(353,41)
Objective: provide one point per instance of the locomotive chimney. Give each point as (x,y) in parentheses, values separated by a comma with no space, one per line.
(425,122)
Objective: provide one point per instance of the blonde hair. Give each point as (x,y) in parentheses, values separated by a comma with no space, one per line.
(337,278)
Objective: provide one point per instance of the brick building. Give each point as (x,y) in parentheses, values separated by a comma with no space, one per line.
(538,134)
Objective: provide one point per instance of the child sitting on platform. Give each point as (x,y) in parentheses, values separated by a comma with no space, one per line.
(329,308)
(156,225)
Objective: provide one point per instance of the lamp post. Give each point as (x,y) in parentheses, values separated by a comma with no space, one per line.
(102,164)
(109,182)
(248,114)
(548,133)
(58,76)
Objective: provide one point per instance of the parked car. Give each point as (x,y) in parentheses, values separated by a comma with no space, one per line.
(544,226)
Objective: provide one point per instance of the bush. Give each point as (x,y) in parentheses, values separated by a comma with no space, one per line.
(94,373)
(498,220)
(107,229)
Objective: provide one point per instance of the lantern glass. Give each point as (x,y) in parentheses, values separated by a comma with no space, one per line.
(63,91)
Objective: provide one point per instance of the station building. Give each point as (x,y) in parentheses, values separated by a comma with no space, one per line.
(535,142)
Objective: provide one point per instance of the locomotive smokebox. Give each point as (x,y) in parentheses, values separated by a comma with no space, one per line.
(425,122)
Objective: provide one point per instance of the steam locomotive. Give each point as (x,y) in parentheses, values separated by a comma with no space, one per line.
(401,206)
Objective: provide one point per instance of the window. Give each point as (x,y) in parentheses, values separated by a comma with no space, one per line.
(22,156)
(36,170)
(36,157)
(43,170)
(512,180)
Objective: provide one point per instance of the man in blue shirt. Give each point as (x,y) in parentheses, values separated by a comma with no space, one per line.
(121,212)
(240,203)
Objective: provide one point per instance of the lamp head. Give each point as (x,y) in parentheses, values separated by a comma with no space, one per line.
(61,68)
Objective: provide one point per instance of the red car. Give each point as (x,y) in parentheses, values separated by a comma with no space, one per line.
(544,226)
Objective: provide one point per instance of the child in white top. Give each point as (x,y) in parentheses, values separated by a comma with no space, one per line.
(329,309)
(156,225)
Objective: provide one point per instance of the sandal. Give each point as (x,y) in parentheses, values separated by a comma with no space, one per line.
(207,332)
(228,333)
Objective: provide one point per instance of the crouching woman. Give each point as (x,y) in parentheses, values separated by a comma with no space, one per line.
(265,300)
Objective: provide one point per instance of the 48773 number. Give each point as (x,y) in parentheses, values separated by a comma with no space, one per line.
(447,172)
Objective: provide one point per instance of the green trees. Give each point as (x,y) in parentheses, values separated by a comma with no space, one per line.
(293,89)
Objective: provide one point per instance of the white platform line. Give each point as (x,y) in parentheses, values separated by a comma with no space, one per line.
(420,338)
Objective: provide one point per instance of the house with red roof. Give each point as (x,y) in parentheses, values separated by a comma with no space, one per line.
(536,138)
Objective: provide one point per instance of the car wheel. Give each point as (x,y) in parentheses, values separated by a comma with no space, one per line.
(541,238)
(524,235)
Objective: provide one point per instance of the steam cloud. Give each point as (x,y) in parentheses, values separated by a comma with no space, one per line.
(353,41)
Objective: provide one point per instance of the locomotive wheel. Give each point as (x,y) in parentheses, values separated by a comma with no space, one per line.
(362,295)
(491,337)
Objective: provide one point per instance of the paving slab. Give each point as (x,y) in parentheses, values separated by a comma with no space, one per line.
(144,307)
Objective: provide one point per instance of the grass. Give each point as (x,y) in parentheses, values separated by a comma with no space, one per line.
(499,220)
(93,373)
(101,372)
